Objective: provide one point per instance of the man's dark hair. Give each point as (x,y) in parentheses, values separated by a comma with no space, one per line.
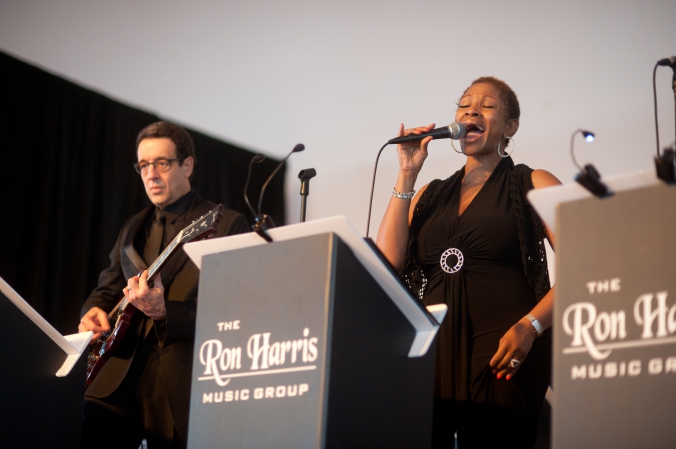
(184,144)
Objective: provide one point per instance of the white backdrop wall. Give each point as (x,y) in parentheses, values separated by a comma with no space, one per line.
(340,76)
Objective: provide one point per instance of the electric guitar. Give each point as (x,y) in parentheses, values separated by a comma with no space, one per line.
(120,317)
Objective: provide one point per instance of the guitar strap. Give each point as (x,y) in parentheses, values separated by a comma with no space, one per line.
(135,259)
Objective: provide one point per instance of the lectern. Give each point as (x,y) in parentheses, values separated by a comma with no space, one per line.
(308,342)
(615,315)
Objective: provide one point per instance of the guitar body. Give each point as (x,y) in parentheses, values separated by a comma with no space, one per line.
(120,317)
(108,341)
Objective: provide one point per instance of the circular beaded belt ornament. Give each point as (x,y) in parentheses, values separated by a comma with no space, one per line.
(455,268)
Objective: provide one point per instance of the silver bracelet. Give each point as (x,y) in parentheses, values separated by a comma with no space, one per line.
(536,324)
(403,195)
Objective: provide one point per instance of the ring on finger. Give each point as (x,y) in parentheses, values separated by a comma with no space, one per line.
(514,363)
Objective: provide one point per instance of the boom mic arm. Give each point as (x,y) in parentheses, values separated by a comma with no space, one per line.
(262,222)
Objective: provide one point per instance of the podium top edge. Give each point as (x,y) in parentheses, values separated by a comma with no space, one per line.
(419,318)
(545,200)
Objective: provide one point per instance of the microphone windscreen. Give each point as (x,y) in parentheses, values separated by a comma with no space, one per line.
(668,62)
(457,130)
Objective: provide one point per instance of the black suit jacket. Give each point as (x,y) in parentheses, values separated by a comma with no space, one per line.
(176,339)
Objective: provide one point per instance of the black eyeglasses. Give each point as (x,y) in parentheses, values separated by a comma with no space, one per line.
(160,164)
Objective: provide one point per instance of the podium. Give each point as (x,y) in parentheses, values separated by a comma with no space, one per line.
(308,342)
(614,348)
(41,404)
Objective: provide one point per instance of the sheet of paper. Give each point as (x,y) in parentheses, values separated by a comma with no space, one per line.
(35,317)
(545,200)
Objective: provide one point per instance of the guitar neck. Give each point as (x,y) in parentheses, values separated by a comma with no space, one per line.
(198,229)
(152,271)
(157,265)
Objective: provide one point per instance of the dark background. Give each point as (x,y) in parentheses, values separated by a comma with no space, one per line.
(68,184)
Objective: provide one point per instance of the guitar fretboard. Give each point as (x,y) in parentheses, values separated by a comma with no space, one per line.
(155,267)
(202,226)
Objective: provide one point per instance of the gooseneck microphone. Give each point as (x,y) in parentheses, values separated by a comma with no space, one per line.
(297,149)
(453,131)
(254,160)
(262,222)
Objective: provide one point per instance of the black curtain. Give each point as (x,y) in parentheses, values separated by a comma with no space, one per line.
(68,185)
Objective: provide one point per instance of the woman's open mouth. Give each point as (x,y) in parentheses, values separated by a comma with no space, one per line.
(474,131)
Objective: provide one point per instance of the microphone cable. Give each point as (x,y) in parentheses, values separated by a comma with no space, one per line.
(657,129)
(453,131)
(373,184)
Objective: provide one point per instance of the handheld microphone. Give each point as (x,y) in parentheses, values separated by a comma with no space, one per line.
(453,131)
(668,62)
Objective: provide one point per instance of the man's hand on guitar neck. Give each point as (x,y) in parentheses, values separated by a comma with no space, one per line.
(149,301)
(95,320)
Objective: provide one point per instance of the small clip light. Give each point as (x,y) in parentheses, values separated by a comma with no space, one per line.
(588,135)
(589,177)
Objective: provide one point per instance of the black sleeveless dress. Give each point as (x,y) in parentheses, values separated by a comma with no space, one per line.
(486,296)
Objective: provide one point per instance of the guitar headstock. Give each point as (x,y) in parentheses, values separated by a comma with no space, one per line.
(203,227)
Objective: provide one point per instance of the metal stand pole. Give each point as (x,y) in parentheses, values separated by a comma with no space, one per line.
(305,176)
(673,85)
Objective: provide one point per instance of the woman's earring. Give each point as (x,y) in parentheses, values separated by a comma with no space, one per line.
(459,152)
(505,153)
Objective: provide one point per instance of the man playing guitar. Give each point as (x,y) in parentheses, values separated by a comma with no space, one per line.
(143,389)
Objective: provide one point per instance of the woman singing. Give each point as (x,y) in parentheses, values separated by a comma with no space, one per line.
(474,243)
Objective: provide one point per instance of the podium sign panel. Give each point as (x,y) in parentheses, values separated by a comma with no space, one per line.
(298,347)
(615,321)
(270,339)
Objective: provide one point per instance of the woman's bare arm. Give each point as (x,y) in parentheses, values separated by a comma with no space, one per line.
(393,232)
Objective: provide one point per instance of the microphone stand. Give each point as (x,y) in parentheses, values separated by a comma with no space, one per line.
(261,225)
(665,163)
(305,176)
(673,87)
